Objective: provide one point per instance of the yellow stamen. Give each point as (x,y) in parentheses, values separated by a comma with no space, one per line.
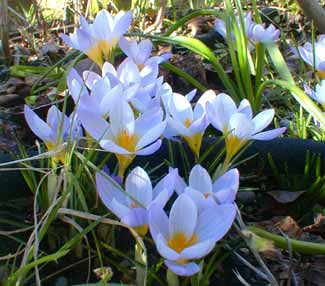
(101,50)
(179,241)
(128,142)
(206,195)
(187,122)
(141,229)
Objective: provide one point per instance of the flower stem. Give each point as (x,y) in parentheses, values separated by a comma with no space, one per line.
(142,259)
(304,247)
(172,278)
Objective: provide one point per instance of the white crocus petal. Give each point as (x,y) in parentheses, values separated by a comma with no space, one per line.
(108,68)
(158,221)
(215,222)
(90,78)
(200,106)
(164,250)
(262,120)
(185,269)
(122,22)
(108,100)
(136,217)
(183,217)
(199,125)
(198,250)
(180,108)
(119,209)
(220,110)
(111,146)
(240,126)
(95,125)
(167,182)
(177,128)
(122,118)
(145,48)
(149,149)
(189,96)
(151,135)
(245,108)
(163,197)
(225,187)
(108,190)
(147,121)
(200,179)
(129,48)
(138,186)
(37,125)
(197,197)
(306,56)
(101,21)
(100,89)
(269,135)
(76,85)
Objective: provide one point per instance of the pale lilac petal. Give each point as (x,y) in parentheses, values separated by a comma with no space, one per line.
(138,186)
(187,269)
(149,149)
(200,179)
(183,216)
(136,217)
(151,135)
(111,146)
(95,125)
(119,209)
(197,197)
(180,108)
(189,96)
(226,187)
(240,126)
(108,189)
(215,222)
(90,78)
(269,135)
(37,125)
(164,250)
(198,250)
(262,120)
(123,23)
(158,222)
(245,108)
(176,128)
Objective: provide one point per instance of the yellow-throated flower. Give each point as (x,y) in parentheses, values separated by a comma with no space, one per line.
(238,124)
(124,135)
(186,122)
(97,40)
(188,234)
(131,205)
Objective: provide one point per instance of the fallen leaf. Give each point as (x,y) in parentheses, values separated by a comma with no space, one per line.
(318,227)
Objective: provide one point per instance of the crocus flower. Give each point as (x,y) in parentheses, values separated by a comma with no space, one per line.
(131,205)
(189,123)
(256,33)
(98,39)
(100,99)
(307,54)
(238,124)
(205,193)
(124,135)
(319,93)
(54,132)
(140,53)
(186,234)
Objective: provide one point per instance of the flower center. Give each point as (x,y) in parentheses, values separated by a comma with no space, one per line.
(127,141)
(187,122)
(179,241)
(102,49)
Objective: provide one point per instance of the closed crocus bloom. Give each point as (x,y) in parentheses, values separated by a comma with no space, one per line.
(205,193)
(131,205)
(124,135)
(318,94)
(54,132)
(140,53)
(257,33)
(307,54)
(239,124)
(98,39)
(188,234)
(188,123)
